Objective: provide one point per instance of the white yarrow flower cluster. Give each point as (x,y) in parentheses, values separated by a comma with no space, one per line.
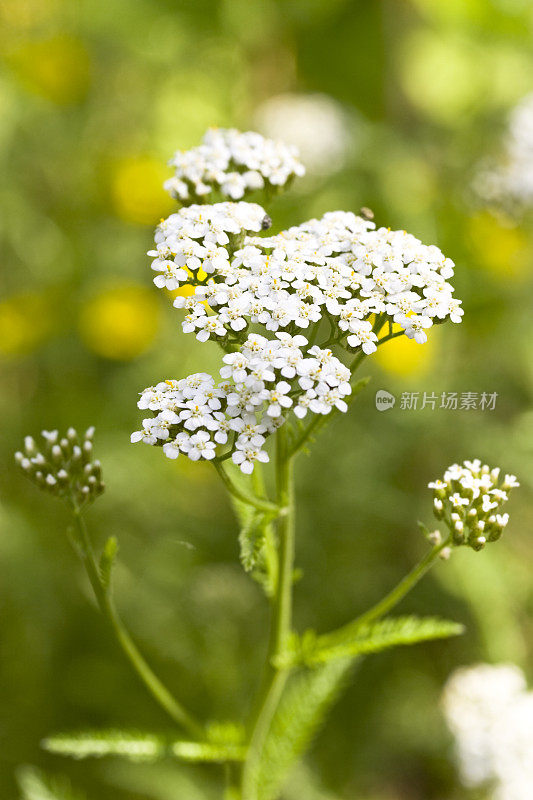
(232,163)
(261,382)
(337,268)
(336,279)
(470,498)
(490,713)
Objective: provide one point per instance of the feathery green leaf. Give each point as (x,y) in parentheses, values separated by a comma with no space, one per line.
(134,746)
(388,632)
(206,752)
(305,702)
(139,746)
(256,538)
(252,540)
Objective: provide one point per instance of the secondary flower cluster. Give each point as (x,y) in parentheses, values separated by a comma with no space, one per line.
(337,268)
(470,499)
(261,382)
(232,163)
(63,466)
(490,713)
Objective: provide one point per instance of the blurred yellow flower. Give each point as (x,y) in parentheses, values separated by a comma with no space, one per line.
(137,190)
(403,356)
(121,322)
(56,68)
(25,321)
(502,249)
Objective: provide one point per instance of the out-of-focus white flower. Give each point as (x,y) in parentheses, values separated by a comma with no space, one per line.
(512,179)
(315,123)
(490,714)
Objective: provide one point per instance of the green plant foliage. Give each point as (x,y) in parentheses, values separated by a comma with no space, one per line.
(252,540)
(388,632)
(134,746)
(256,539)
(304,704)
(205,752)
(139,746)
(35,785)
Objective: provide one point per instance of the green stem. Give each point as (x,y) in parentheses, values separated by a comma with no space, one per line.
(240,494)
(317,420)
(398,593)
(281,625)
(150,680)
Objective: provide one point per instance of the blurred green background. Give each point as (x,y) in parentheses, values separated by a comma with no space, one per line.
(409,98)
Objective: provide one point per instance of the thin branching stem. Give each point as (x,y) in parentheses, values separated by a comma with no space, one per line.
(156,688)
(398,593)
(245,497)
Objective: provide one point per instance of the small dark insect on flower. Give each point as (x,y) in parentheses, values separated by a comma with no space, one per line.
(266,223)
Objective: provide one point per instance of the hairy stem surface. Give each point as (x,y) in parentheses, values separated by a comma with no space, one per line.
(281,625)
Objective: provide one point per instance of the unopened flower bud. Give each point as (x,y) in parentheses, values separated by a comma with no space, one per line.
(478,543)
(438,508)
(435,537)
(445,553)
(29,446)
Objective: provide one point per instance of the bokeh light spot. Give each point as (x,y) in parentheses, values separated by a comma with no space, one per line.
(403,356)
(57,68)
(25,321)
(120,323)
(502,249)
(136,190)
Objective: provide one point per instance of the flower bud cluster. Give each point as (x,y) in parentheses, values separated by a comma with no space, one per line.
(337,268)
(470,499)
(261,383)
(233,164)
(63,466)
